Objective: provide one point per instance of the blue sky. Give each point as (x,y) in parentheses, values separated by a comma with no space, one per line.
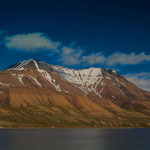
(79,34)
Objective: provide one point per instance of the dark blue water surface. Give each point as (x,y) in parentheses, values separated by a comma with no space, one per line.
(75,139)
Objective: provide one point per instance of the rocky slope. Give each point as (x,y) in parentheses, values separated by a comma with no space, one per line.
(34,93)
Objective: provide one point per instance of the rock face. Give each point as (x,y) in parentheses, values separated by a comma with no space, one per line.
(98,92)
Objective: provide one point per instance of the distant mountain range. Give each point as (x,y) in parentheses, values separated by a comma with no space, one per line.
(36,94)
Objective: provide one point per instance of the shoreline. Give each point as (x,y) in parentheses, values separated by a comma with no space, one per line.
(42,128)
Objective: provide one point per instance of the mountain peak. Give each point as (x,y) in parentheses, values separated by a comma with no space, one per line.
(21,65)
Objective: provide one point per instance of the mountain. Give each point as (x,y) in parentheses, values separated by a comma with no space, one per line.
(36,94)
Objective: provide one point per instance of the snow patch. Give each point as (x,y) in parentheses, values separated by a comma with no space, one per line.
(20,76)
(65,91)
(114,71)
(36,81)
(47,76)
(7,85)
(107,78)
(86,79)
(19,66)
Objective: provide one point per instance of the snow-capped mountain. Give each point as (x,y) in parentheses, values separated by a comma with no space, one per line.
(104,83)
(93,92)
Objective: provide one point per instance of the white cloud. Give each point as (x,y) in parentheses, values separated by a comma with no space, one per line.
(31,42)
(68,55)
(142,80)
(67,50)
(123,59)
(75,56)
(95,58)
(71,56)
